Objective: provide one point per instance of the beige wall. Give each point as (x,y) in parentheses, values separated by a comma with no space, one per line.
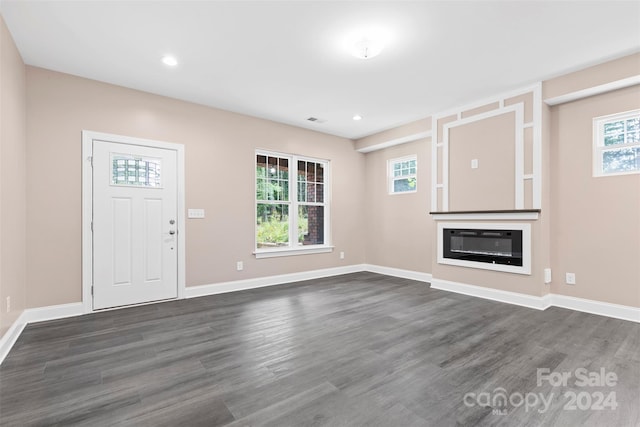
(399,230)
(12,180)
(219,149)
(596,226)
(396,231)
(492,185)
(611,71)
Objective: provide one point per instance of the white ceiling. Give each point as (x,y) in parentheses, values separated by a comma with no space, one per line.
(286,61)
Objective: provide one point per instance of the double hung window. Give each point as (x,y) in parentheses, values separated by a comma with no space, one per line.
(292,204)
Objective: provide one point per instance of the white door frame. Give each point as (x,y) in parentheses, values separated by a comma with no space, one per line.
(87,206)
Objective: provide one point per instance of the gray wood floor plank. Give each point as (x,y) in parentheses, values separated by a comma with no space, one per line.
(361,349)
(285,406)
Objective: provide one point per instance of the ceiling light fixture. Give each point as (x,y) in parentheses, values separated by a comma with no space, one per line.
(169,60)
(357,117)
(367,48)
(367,42)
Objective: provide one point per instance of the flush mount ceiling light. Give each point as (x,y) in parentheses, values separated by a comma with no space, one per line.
(366,42)
(357,117)
(367,48)
(169,60)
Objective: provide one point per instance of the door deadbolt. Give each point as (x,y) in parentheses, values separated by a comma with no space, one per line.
(172,221)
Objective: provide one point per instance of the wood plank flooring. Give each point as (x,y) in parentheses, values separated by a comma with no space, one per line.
(355,350)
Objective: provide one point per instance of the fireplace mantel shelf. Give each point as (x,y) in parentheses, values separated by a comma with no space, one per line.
(530,214)
(487,212)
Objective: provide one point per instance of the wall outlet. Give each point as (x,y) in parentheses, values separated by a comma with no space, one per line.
(547,275)
(571,278)
(341,255)
(8,304)
(474,164)
(239,266)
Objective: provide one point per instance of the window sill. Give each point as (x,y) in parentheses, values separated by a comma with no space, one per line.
(304,250)
(397,193)
(603,174)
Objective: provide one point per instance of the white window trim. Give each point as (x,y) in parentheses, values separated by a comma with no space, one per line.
(598,142)
(293,206)
(301,250)
(391,178)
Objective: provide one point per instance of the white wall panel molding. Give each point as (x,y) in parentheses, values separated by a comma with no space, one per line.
(440,145)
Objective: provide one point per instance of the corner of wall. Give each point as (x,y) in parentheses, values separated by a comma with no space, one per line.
(12,182)
(546,217)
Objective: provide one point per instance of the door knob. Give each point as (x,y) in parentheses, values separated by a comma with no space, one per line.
(172,232)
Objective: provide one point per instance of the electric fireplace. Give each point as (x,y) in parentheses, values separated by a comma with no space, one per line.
(492,246)
(501,247)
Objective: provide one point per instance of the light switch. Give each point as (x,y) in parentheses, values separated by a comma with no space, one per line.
(474,164)
(195,213)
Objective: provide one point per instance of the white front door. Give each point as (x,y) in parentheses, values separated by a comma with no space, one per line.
(135,253)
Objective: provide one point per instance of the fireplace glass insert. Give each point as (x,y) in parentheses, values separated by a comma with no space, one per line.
(490,246)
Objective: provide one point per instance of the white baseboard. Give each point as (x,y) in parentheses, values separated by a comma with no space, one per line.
(397,272)
(530,301)
(33,315)
(11,336)
(260,282)
(617,311)
(53,312)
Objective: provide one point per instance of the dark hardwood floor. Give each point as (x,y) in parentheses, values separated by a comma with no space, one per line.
(360,349)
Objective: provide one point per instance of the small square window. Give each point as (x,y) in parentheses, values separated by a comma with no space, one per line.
(402,175)
(616,144)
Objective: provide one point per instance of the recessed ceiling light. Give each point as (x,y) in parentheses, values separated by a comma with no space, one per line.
(169,60)
(357,117)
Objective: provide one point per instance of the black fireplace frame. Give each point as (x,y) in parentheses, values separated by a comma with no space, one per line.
(508,244)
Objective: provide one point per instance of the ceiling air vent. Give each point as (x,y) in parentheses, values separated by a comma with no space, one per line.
(315,119)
